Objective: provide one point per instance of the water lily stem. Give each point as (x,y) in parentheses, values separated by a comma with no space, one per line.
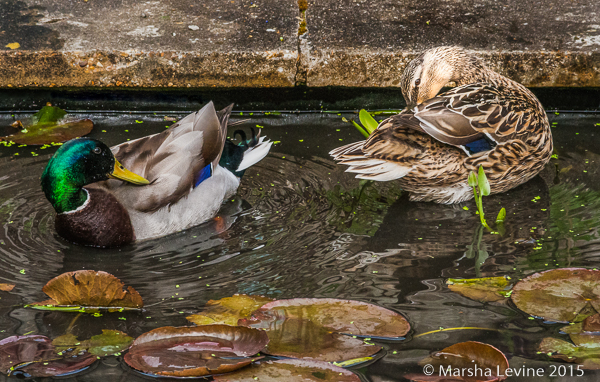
(72,323)
(452,329)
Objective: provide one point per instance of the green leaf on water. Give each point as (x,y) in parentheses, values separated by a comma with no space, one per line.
(48,114)
(108,343)
(368,121)
(486,289)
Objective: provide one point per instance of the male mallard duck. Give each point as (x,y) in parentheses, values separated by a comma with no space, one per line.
(487,120)
(179,179)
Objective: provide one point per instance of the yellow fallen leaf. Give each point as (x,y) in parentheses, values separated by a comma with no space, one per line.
(13,45)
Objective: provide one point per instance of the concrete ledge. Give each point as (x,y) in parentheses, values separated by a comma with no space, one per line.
(286,43)
(143,70)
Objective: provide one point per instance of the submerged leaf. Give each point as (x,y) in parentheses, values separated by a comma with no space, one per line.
(559,294)
(486,289)
(465,355)
(47,126)
(6,287)
(343,316)
(228,310)
(35,355)
(81,290)
(195,351)
(107,343)
(290,370)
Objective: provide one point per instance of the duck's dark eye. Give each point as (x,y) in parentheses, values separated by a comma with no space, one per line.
(417,81)
(97,150)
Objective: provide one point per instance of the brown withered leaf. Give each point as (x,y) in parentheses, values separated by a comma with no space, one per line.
(88,289)
(463,356)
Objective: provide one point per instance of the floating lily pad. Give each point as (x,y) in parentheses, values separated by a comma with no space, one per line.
(455,359)
(195,351)
(342,316)
(298,338)
(6,287)
(88,291)
(487,289)
(290,370)
(49,126)
(228,310)
(36,356)
(107,343)
(563,295)
(586,352)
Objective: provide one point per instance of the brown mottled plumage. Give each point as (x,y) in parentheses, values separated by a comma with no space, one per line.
(424,146)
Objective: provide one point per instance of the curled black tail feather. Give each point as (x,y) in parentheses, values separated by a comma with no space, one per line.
(234,154)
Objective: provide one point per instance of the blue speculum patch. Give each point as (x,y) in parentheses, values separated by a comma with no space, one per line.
(205,173)
(479,146)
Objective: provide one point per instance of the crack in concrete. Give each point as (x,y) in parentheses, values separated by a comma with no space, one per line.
(301,75)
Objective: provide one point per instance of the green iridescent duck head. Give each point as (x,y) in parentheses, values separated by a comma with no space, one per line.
(77,163)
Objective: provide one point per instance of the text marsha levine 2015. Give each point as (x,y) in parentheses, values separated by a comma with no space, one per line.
(523,371)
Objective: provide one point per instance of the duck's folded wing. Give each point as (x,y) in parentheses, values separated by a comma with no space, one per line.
(389,153)
(172,161)
(471,112)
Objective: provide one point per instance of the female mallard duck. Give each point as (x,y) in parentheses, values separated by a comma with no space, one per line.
(185,173)
(487,120)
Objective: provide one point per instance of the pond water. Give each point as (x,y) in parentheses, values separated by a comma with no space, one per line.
(302,227)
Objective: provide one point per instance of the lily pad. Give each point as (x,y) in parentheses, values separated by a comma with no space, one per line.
(88,291)
(586,353)
(453,363)
(342,316)
(562,295)
(35,355)
(49,126)
(486,289)
(228,310)
(195,351)
(290,370)
(304,339)
(108,343)
(6,287)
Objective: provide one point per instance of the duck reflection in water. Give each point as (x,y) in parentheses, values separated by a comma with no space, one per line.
(437,234)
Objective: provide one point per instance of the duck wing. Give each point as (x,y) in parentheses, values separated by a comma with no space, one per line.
(172,160)
(396,149)
(477,111)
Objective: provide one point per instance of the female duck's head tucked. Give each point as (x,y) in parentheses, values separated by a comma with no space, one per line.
(435,68)
(75,164)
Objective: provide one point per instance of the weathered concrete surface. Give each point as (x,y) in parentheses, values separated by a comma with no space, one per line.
(283,43)
(181,43)
(368,43)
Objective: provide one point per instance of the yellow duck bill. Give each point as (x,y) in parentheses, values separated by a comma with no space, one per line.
(120,172)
